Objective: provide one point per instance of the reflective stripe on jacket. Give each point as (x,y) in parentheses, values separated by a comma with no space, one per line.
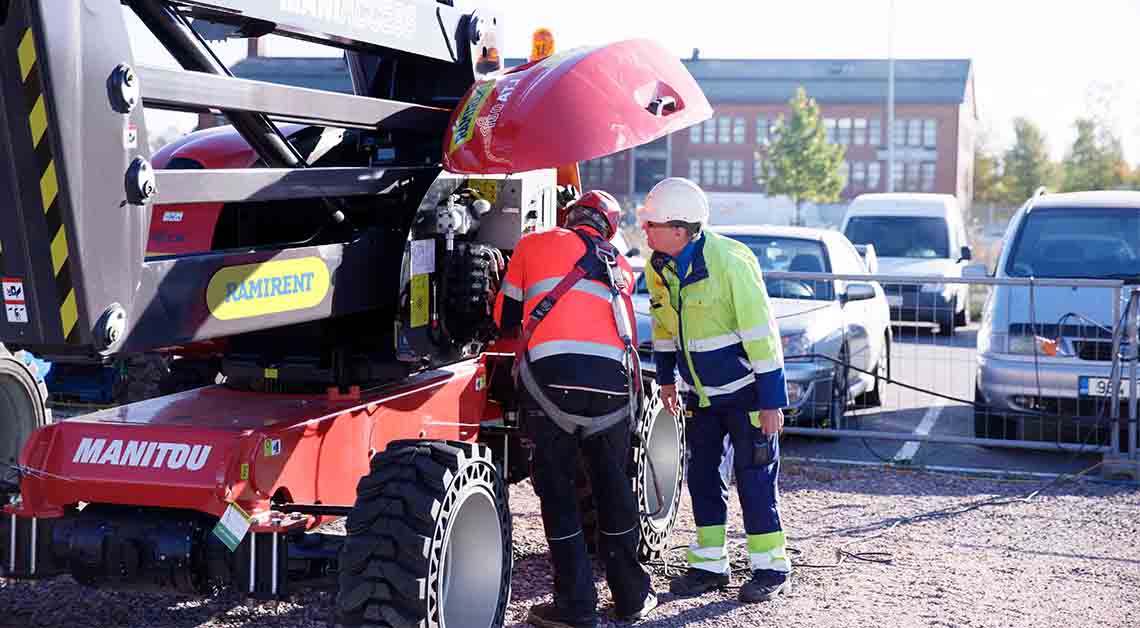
(581,322)
(716,327)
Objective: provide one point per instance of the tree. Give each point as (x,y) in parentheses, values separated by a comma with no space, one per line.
(801,164)
(1027,166)
(1096,159)
(989,182)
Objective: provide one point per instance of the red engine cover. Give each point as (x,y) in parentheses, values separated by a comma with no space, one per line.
(578,105)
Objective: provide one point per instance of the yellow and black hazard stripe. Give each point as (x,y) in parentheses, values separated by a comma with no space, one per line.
(49,187)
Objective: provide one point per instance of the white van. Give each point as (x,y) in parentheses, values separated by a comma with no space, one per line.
(916,234)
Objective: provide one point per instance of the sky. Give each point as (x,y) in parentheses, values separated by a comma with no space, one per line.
(1039,59)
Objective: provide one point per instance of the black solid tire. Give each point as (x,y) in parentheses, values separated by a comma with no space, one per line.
(23,404)
(655,530)
(394,561)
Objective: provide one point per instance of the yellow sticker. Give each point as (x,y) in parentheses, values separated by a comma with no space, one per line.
(464,128)
(420,300)
(267,288)
(245,470)
(487,188)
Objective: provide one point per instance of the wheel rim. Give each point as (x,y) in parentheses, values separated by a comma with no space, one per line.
(469,587)
(18,417)
(662,447)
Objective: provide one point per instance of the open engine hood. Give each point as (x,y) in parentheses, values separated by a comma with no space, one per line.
(582,104)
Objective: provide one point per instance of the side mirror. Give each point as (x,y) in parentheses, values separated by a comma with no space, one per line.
(967,254)
(858,291)
(975,271)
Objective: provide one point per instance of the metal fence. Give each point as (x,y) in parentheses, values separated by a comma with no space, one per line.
(981,372)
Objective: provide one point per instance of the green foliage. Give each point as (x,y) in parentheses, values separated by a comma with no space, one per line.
(800,163)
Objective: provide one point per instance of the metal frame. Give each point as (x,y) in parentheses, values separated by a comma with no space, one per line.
(1130,332)
(81,241)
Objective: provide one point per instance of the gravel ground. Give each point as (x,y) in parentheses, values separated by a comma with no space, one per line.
(872,548)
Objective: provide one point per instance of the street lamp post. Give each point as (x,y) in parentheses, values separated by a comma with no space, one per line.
(891,98)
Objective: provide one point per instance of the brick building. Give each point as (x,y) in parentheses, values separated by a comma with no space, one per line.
(934,132)
(935,117)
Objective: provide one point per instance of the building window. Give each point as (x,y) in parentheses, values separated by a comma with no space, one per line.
(710,131)
(722,172)
(912,175)
(900,132)
(874,132)
(708,172)
(873,171)
(860,136)
(738,130)
(758,172)
(859,173)
(737,173)
(695,134)
(845,172)
(897,175)
(914,132)
(930,133)
(928,176)
(607,169)
(762,131)
(695,171)
(724,130)
(829,129)
(845,131)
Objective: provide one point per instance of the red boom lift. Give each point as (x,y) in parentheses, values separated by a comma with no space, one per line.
(344,275)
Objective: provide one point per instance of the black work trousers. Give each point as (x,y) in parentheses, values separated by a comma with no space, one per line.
(555,467)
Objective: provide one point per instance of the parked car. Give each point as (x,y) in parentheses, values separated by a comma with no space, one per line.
(916,234)
(823,323)
(1049,351)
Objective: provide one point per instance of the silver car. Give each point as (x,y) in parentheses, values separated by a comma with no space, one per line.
(1045,355)
(823,323)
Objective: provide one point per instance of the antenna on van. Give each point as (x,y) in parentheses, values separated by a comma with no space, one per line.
(1041,189)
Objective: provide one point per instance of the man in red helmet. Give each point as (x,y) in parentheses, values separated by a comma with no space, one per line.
(568,289)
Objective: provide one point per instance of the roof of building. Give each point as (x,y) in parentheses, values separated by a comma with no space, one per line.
(853,81)
(326,73)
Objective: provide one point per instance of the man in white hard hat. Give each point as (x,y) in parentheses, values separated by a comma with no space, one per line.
(712,322)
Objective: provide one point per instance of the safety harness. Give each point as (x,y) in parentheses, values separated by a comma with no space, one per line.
(600,260)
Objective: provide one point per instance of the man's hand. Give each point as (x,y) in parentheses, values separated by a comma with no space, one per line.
(772,421)
(669,397)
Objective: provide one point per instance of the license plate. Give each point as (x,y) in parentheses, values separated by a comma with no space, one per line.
(894,300)
(1102,387)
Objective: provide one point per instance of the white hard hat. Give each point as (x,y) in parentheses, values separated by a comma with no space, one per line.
(675,198)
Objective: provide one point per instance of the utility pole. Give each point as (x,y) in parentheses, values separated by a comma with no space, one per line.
(891,98)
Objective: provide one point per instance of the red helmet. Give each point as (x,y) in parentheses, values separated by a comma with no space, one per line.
(596,209)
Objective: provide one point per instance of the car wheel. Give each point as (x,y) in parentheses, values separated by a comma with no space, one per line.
(874,397)
(962,319)
(840,390)
(947,320)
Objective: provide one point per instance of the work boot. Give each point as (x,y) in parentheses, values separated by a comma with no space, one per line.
(548,615)
(696,582)
(647,607)
(765,585)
